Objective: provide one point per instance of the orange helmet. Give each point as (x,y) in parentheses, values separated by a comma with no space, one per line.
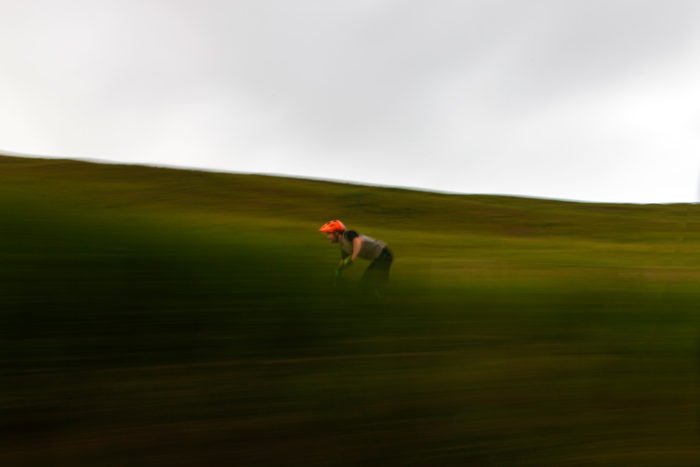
(332,226)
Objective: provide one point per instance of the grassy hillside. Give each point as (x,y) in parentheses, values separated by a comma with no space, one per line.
(169,317)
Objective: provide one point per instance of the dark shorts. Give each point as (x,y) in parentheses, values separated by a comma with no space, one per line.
(377,273)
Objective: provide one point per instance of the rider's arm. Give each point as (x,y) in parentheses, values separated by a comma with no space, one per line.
(356,245)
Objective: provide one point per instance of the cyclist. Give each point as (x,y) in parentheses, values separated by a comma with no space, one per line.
(354,245)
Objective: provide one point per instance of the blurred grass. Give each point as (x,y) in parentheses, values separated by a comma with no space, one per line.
(167,317)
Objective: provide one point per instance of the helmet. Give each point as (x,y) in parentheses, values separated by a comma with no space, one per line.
(332,226)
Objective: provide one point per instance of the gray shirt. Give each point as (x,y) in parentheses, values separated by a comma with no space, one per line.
(371,247)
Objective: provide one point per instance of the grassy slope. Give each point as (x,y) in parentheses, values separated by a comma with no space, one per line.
(169,315)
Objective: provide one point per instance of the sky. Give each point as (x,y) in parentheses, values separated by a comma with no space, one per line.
(591,100)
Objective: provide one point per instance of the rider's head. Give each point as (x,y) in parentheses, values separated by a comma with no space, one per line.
(333,229)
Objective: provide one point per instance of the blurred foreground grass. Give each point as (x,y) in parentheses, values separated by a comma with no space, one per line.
(161,317)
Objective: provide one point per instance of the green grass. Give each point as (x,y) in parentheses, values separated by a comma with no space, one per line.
(169,317)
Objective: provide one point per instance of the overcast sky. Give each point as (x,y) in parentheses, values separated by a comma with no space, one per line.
(573,99)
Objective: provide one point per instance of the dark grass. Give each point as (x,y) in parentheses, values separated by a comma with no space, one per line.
(156,317)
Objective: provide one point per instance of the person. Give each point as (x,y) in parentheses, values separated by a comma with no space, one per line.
(354,245)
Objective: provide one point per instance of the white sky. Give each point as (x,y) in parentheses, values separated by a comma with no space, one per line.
(580,99)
